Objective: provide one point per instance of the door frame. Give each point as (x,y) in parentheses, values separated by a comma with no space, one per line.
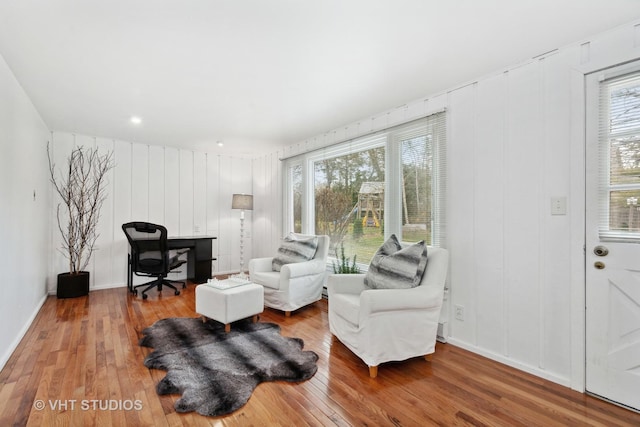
(577,208)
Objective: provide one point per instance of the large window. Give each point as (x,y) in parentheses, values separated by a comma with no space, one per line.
(295,197)
(361,191)
(349,201)
(620,144)
(422,158)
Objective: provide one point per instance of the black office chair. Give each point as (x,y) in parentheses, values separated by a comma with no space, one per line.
(150,257)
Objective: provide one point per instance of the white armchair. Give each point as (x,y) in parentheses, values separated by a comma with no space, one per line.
(295,285)
(382,325)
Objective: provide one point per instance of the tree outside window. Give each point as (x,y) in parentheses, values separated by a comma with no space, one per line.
(342,212)
(624,158)
(417,161)
(296,196)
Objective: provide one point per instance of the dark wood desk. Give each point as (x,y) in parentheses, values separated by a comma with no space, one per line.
(199,256)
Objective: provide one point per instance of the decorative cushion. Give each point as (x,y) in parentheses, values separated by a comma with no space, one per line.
(295,248)
(395,267)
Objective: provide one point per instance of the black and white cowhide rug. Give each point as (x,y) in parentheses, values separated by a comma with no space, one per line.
(216,372)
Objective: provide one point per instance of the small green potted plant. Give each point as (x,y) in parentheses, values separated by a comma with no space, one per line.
(82,188)
(342,266)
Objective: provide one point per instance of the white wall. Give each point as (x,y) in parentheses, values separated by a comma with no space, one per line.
(188,192)
(24,212)
(514,141)
(267,204)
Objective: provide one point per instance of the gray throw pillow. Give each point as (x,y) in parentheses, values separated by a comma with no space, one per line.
(295,248)
(394,267)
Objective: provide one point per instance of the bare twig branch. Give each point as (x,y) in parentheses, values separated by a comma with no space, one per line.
(83,192)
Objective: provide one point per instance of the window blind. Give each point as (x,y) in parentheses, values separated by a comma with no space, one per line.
(423,167)
(619,158)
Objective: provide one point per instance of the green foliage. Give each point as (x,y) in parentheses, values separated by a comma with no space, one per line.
(343,266)
(357,228)
(331,206)
(337,183)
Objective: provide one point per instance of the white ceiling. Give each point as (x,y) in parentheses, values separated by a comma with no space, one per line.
(261,74)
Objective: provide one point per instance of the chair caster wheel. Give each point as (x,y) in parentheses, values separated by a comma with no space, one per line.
(177,292)
(135,292)
(184,286)
(144,296)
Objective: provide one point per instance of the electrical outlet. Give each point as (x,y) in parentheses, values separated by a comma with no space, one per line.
(459,310)
(558,206)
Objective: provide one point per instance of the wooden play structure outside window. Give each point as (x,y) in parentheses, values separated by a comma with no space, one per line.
(370,207)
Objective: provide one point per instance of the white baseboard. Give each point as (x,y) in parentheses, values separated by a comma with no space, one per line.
(558,379)
(7,354)
(97,288)
(109,286)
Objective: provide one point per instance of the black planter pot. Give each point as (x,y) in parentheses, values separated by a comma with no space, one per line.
(73,285)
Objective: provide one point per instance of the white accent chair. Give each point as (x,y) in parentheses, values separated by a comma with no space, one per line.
(295,285)
(383,325)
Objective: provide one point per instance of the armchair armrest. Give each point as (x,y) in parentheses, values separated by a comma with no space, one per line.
(305,268)
(345,284)
(419,298)
(260,264)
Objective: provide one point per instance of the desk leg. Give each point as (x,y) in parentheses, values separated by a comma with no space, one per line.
(191,264)
(129,274)
(202,261)
(199,256)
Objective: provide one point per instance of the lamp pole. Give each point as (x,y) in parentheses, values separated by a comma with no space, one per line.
(242,202)
(241,242)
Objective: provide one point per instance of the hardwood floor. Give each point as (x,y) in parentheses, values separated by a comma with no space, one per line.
(81,362)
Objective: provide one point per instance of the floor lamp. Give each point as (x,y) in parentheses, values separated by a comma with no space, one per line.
(244,202)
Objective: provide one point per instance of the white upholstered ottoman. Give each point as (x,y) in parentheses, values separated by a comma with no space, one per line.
(229,305)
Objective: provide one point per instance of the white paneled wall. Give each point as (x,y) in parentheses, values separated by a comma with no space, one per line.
(234,177)
(103,259)
(488,244)
(24,213)
(515,141)
(267,204)
(188,192)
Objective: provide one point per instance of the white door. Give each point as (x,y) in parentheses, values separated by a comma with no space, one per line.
(613,235)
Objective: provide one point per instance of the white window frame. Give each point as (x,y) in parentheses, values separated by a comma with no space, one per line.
(393,180)
(604,137)
(288,192)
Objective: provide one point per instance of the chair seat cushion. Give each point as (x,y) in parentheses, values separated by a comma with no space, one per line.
(395,267)
(149,263)
(346,306)
(269,279)
(295,248)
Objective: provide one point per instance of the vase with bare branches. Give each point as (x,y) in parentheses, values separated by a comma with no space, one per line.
(82,188)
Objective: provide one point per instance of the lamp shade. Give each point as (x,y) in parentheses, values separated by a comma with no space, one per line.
(242,201)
